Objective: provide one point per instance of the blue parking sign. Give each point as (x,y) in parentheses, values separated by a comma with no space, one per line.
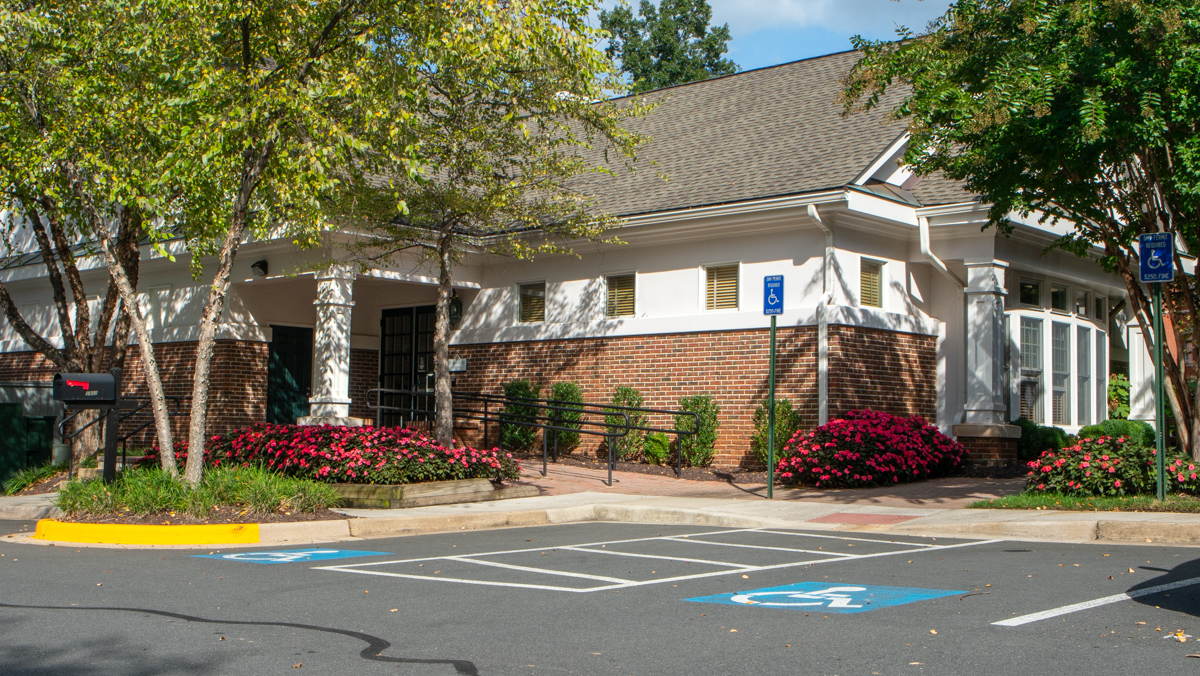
(1156,257)
(773,295)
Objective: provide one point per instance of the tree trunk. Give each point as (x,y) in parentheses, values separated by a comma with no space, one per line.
(444,421)
(253,166)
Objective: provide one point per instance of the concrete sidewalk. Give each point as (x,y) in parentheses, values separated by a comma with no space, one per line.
(572,494)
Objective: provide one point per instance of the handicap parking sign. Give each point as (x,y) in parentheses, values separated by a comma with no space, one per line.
(291,555)
(826,597)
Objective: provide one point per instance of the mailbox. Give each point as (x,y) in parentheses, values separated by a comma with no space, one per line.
(85,390)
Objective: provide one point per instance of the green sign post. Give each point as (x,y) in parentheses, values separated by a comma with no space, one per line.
(1156,261)
(772,305)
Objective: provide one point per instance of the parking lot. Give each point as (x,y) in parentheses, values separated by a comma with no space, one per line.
(604,598)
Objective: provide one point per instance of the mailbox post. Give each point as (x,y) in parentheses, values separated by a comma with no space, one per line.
(100,391)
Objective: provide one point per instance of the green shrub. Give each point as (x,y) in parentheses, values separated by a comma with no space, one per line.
(150,490)
(1138,431)
(565,394)
(787,422)
(513,435)
(29,476)
(628,447)
(1118,396)
(698,449)
(1037,438)
(657,448)
(1109,466)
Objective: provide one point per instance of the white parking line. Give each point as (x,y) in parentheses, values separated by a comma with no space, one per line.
(777,549)
(840,537)
(1095,603)
(610,552)
(619,583)
(544,571)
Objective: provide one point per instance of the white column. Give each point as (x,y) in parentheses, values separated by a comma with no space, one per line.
(330,403)
(985,343)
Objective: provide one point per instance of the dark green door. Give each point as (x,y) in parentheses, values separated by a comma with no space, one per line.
(289,374)
(406,362)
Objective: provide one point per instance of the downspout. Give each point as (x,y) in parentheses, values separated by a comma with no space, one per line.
(823,319)
(923,227)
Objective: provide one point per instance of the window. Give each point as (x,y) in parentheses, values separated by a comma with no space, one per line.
(1060,398)
(533,302)
(1031,292)
(1058,297)
(1083,375)
(1101,376)
(1031,369)
(722,288)
(871,283)
(1081,303)
(1100,314)
(620,296)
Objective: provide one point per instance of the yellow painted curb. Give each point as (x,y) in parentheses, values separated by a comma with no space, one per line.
(131,534)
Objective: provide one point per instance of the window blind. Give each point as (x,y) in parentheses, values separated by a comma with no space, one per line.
(722,288)
(620,296)
(871,283)
(533,302)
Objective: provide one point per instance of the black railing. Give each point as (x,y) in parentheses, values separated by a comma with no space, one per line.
(128,408)
(489,408)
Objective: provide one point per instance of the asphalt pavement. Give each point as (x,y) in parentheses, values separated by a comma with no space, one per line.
(604,598)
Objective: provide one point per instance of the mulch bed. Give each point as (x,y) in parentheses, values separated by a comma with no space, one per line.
(741,475)
(217,516)
(48,486)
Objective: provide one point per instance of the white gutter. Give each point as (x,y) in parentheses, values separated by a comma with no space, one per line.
(923,226)
(823,319)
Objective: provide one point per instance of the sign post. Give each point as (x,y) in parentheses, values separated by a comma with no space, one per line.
(1156,264)
(772,306)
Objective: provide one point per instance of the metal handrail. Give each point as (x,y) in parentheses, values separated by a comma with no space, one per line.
(510,418)
(129,407)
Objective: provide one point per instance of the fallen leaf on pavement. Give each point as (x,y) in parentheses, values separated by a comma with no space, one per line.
(933,631)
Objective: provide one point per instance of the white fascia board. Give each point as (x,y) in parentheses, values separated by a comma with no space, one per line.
(396,276)
(893,148)
(736,209)
(880,207)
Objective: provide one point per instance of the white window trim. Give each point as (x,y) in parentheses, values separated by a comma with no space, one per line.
(1098,379)
(637,291)
(702,274)
(545,302)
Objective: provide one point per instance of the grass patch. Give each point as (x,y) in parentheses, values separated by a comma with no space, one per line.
(30,476)
(151,490)
(1080,503)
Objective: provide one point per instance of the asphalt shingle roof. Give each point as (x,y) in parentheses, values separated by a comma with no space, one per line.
(762,133)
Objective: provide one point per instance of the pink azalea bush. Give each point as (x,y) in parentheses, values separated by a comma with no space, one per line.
(868,448)
(1109,466)
(369,455)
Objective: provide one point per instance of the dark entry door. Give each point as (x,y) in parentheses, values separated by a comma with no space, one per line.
(289,374)
(406,362)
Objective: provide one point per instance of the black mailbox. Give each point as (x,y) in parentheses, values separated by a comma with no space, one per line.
(85,389)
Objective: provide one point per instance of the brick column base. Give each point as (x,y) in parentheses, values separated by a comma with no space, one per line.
(990,445)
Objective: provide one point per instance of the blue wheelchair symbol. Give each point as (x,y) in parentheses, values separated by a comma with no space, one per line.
(834,598)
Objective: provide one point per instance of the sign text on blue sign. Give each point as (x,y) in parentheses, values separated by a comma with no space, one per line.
(773,295)
(1156,257)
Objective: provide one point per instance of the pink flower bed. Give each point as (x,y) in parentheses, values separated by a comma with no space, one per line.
(868,448)
(369,455)
(1109,466)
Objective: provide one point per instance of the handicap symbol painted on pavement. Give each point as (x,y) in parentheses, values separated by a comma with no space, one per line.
(834,598)
(291,555)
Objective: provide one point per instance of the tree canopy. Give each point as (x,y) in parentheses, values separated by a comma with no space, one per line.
(513,113)
(667,45)
(1080,111)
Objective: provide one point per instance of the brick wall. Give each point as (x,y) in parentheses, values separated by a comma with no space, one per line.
(882,370)
(889,371)
(989,451)
(364,375)
(237,396)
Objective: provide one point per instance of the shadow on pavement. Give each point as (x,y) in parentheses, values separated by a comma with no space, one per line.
(373,651)
(1182,599)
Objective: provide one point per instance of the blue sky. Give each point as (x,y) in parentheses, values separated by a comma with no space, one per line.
(770,32)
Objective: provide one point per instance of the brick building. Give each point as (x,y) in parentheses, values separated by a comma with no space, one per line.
(894,297)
